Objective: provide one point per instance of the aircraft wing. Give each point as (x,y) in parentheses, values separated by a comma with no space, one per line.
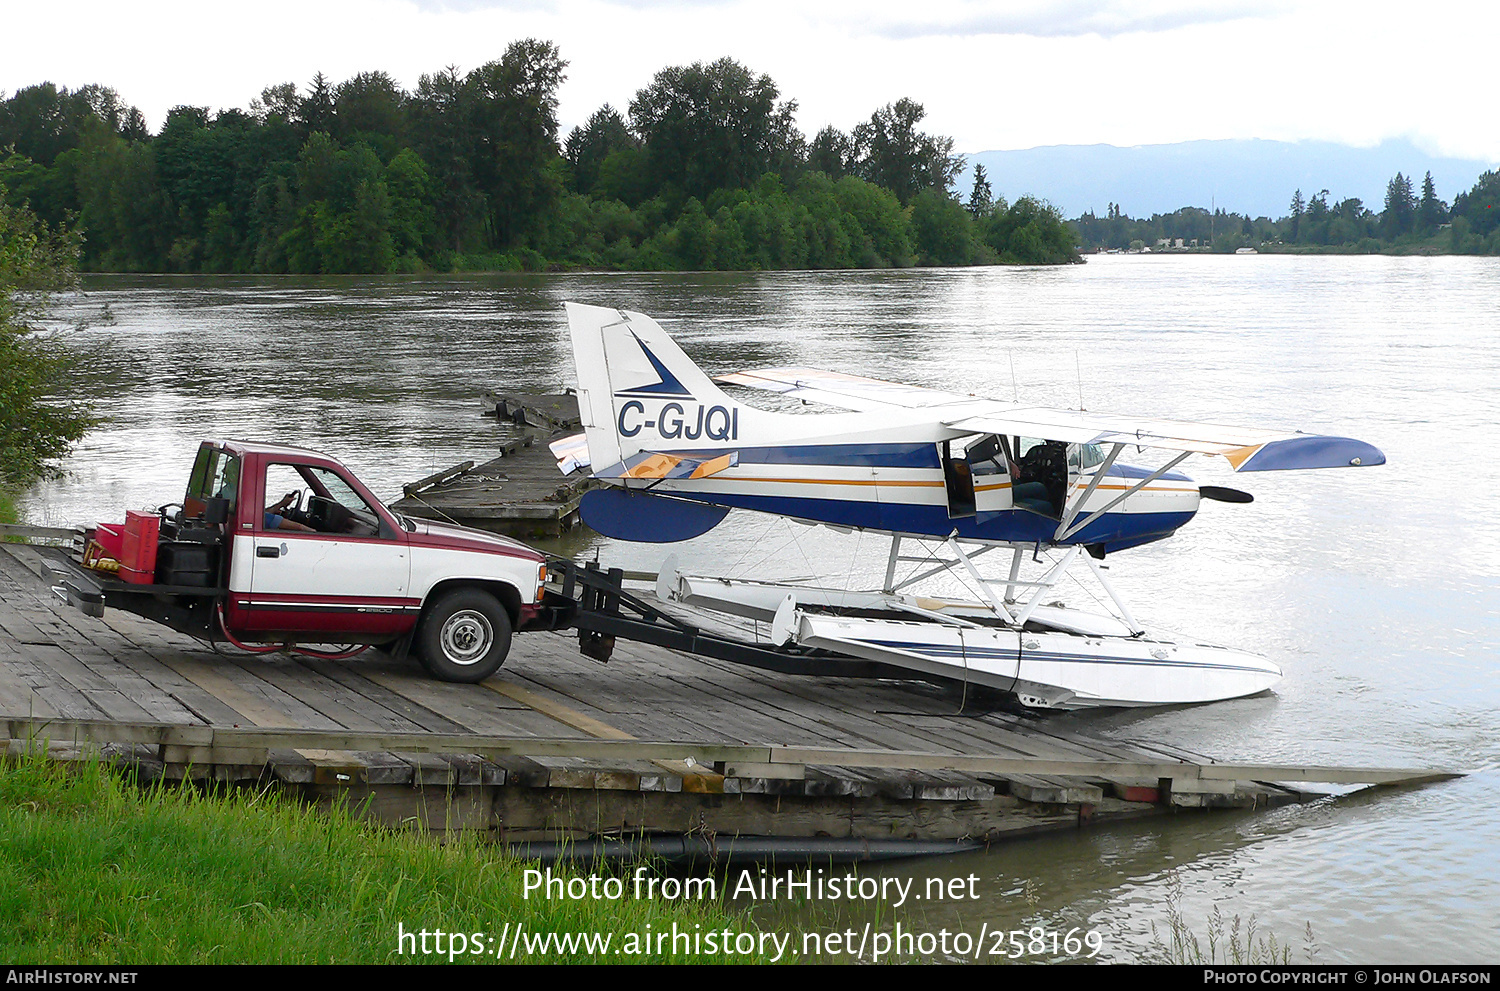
(851,392)
(1246,449)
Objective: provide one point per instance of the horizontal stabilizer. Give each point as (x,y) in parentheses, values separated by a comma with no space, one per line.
(571,452)
(645,518)
(658,464)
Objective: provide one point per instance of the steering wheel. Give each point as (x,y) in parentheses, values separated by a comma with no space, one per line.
(293,509)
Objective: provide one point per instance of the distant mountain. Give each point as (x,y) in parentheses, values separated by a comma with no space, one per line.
(1254,177)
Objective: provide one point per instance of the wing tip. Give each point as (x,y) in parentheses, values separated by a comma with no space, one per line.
(1313,451)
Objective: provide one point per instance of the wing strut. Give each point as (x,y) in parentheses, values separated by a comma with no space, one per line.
(1065,534)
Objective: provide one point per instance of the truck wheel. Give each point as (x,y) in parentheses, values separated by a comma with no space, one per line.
(464,636)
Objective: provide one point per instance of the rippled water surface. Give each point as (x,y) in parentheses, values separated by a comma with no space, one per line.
(1378,590)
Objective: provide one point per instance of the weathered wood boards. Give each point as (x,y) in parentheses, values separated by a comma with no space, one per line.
(520,491)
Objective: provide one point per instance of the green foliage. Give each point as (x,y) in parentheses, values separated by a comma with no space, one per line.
(981,197)
(93,870)
(891,152)
(40,417)
(588,146)
(512,118)
(715,126)
(1407,225)
(1400,208)
(1479,208)
(942,229)
(882,227)
(831,153)
(1029,232)
(465,170)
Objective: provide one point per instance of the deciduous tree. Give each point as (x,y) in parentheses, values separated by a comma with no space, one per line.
(41,414)
(891,152)
(714,126)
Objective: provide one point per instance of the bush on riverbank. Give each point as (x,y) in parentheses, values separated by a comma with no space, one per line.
(94,870)
(42,411)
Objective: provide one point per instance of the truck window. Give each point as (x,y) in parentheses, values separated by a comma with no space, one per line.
(323,500)
(341,493)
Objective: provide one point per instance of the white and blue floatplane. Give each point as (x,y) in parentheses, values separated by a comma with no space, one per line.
(962,476)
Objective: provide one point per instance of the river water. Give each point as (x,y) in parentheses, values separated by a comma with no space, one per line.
(1376,589)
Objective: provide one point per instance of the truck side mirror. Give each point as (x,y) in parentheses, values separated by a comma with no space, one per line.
(215,511)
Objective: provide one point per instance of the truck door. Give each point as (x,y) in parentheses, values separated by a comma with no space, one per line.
(348,574)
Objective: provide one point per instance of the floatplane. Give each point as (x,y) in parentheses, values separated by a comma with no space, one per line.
(961,476)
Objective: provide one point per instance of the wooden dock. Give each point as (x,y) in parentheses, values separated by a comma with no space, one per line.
(685,753)
(520,492)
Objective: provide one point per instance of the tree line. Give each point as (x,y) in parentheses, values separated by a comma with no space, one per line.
(1409,222)
(705,169)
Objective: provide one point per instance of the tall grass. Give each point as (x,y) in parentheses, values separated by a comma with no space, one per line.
(96,870)
(1224,941)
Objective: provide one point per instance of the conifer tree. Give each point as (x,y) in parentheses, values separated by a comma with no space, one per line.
(980,196)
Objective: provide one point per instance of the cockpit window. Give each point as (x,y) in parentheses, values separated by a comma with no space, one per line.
(1082,457)
(985,456)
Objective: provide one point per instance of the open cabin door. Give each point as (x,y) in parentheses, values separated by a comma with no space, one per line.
(958,482)
(976,475)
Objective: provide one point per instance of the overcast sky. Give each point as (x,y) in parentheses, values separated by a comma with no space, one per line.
(994,74)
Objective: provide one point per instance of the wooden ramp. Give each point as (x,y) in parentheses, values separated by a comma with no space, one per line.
(562,748)
(520,492)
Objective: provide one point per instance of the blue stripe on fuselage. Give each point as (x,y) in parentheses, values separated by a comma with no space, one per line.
(919,455)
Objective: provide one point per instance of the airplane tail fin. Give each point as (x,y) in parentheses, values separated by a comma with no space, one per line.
(639,392)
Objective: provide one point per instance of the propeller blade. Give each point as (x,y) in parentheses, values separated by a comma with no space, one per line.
(1219,493)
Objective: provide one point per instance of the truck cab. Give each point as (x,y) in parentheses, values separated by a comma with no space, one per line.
(283,546)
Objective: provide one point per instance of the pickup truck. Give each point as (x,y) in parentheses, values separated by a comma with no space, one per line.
(326,564)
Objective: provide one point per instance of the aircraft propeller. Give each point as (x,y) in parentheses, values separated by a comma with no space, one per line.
(1219,493)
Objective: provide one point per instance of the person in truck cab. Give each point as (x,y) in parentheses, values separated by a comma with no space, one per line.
(229,489)
(274,521)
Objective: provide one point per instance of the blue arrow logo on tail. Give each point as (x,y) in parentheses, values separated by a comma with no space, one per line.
(668,386)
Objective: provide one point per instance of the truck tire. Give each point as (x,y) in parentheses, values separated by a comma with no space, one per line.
(464,636)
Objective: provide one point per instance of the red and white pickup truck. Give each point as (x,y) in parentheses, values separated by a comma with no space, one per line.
(324,564)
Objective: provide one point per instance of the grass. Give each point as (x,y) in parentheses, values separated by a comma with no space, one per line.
(1235,941)
(96,870)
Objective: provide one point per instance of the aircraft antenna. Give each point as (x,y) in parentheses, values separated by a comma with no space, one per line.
(1078,364)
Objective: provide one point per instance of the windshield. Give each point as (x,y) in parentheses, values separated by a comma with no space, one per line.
(216,474)
(1082,457)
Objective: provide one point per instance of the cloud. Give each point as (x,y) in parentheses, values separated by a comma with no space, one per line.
(1072,18)
(470,6)
(560,8)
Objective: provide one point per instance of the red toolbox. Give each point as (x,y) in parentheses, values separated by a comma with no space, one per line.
(138,547)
